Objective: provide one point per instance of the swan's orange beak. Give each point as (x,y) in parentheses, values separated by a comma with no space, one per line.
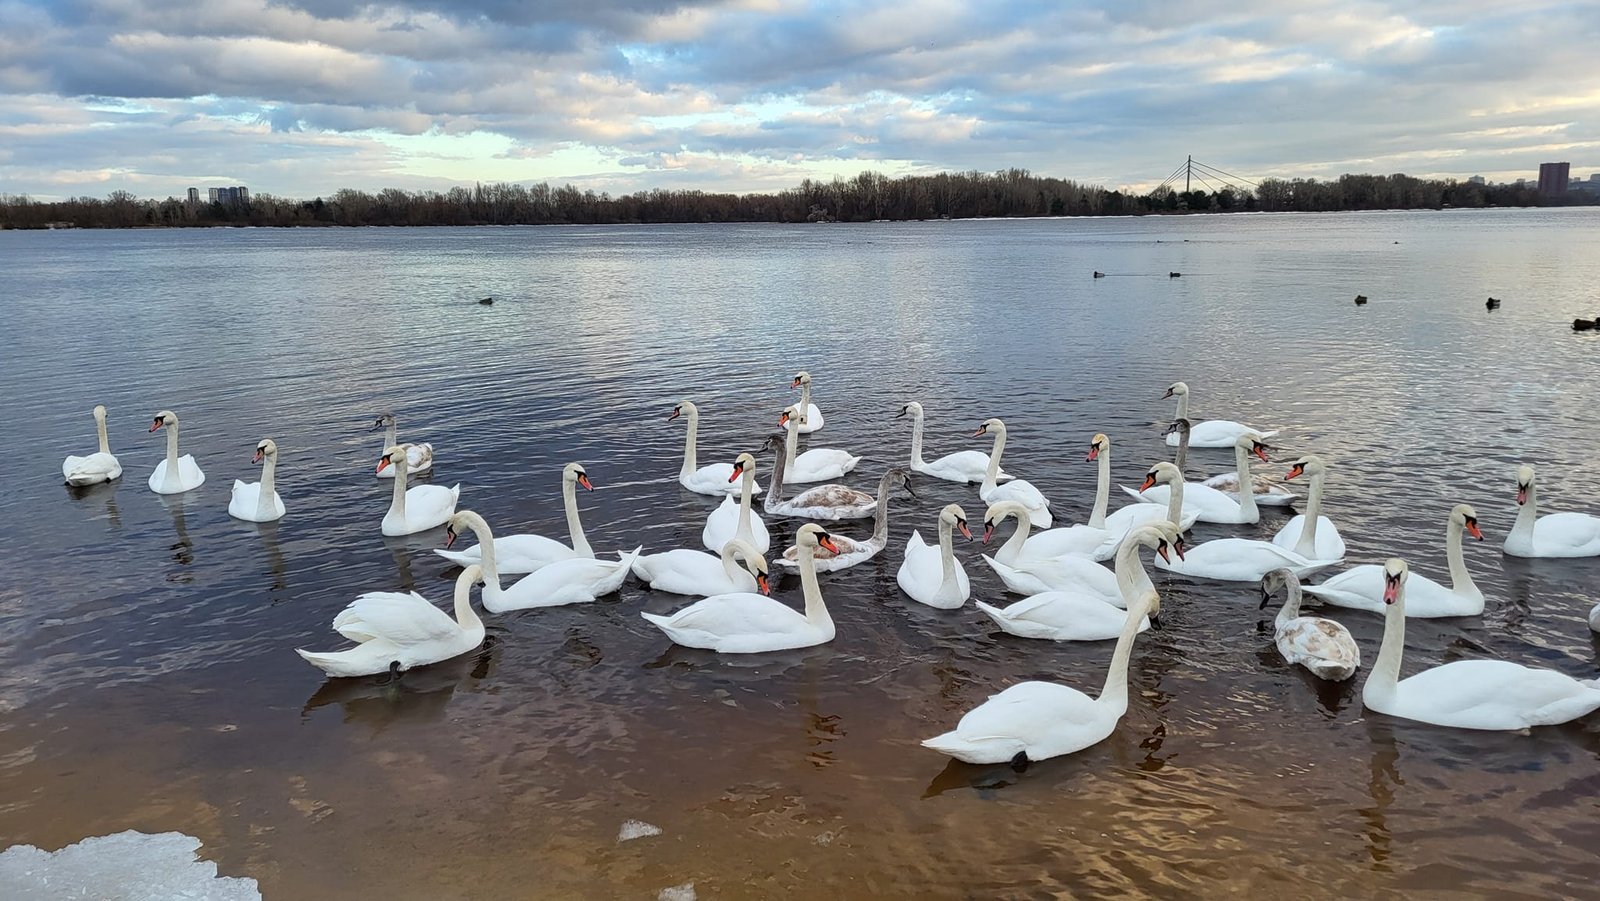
(1149,480)
(257,457)
(1522,491)
(1179,547)
(675,414)
(962,525)
(738,470)
(382,464)
(1167,395)
(988,532)
(1473,530)
(980,431)
(449,537)
(1260,450)
(583,479)
(763,584)
(155,425)
(826,541)
(1391,588)
(1094,453)
(795,383)
(1161,549)
(1295,470)
(783,420)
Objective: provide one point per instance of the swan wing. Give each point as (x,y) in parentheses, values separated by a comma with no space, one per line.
(1576,534)
(1494,694)
(728,615)
(88,470)
(402,619)
(1315,639)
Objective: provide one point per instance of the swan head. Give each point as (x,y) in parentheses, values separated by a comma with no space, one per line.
(267,448)
(753,561)
(956,518)
(790,414)
(1274,582)
(1176,389)
(912,409)
(897,478)
(1180,426)
(395,454)
(472,575)
(812,536)
(1099,444)
(1161,474)
(1309,465)
(1524,483)
(1467,518)
(1166,538)
(1252,443)
(100,412)
(687,408)
(996,514)
(990,425)
(742,464)
(384,421)
(574,472)
(165,417)
(464,519)
(1394,579)
(801,379)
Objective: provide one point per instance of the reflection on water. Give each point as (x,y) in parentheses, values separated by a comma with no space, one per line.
(149,680)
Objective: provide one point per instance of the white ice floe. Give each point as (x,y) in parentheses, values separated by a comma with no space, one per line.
(633,829)
(128,866)
(683,892)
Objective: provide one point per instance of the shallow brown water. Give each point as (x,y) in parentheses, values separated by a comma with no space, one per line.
(149,683)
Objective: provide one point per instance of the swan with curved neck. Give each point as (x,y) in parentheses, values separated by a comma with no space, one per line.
(851,551)
(810,416)
(815,465)
(1025,546)
(933,575)
(1322,646)
(1467,694)
(527,552)
(575,580)
(1310,534)
(1210,432)
(175,474)
(259,501)
(419,457)
(1268,492)
(100,466)
(712,478)
(1361,587)
(1551,535)
(418,508)
(1020,490)
(1069,572)
(1089,616)
(699,574)
(1210,504)
(1037,720)
(751,623)
(962,466)
(731,520)
(1130,517)
(397,632)
(827,502)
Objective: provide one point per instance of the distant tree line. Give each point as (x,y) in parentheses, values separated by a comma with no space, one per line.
(866,197)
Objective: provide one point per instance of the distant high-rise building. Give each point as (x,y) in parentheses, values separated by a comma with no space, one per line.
(194,195)
(1553,177)
(1475,180)
(230,196)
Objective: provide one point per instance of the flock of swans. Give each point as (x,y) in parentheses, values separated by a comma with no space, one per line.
(1069,595)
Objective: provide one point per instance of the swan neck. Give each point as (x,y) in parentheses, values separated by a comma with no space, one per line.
(1012,549)
(1115,692)
(100,428)
(880,517)
(1181,459)
(397,506)
(689,457)
(1385,673)
(1183,407)
(790,435)
(1291,606)
(947,555)
(172,450)
(569,500)
(816,610)
(1460,577)
(1247,491)
(916,440)
(1175,504)
(992,474)
(466,617)
(1306,546)
(269,483)
(1132,578)
(805,404)
(1102,493)
(730,566)
(389,434)
(1528,514)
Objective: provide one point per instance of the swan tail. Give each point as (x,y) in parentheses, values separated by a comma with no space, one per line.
(1135,495)
(460,558)
(620,575)
(994,613)
(998,749)
(341,663)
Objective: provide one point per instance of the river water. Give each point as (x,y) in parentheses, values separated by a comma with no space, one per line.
(148,678)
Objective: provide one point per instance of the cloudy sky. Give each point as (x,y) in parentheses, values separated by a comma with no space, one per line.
(302,97)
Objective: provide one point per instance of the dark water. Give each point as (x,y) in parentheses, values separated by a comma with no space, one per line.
(148,679)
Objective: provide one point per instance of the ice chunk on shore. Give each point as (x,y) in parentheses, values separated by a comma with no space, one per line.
(683,892)
(128,866)
(633,829)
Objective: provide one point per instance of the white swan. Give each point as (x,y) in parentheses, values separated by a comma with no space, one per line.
(100,466)
(1025,546)
(1080,616)
(1320,539)
(828,502)
(1210,432)
(419,457)
(1361,587)
(715,479)
(526,553)
(811,417)
(1210,504)
(962,466)
(1551,535)
(1020,490)
(575,580)
(852,551)
(420,508)
(399,631)
(1467,694)
(1267,491)
(1036,720)
(1323,646)
(700,574)
(815,465)
(751,623)
(933,575)
(175,474)
(1123,521)
(736,520)
(259,501)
